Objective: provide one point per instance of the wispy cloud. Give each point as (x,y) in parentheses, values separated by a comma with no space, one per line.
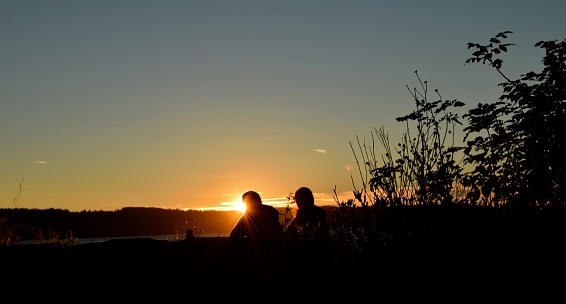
(320,150)
(230,205)
(42,162)
(276,201)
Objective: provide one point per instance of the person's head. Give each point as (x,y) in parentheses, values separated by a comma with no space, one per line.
(304,197)
(251,199)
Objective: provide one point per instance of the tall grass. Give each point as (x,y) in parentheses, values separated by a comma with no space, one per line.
(423,169)
(11,234)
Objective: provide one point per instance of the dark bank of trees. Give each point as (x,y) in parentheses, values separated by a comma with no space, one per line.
(505,181)
(41,224)
(132,221)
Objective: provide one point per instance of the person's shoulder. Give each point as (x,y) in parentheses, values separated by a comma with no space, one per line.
(268,208)
(320,210)
(274,209)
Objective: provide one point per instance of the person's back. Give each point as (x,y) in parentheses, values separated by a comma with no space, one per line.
(259,225)
(261,222)
(310,220)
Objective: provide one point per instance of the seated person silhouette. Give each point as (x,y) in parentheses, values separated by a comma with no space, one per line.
(309,223)
(259,227)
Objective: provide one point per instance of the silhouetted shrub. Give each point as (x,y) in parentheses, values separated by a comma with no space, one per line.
(419,191)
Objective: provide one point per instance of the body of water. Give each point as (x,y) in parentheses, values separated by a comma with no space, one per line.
(166,237)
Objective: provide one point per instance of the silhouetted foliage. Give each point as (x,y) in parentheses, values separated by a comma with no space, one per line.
(518,148)
(419,192)
(422,170)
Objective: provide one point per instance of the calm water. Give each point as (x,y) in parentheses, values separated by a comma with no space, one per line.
(167,237)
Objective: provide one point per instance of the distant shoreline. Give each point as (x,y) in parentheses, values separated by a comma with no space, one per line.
(161,237)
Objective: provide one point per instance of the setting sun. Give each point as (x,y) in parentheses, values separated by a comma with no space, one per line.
(239,206)
(235,205)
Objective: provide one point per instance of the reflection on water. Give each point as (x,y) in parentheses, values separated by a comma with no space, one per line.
(166,237)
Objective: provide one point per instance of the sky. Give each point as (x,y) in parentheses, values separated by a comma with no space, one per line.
(188,104)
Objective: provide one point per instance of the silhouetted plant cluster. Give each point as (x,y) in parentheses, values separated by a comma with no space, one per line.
(13,233)
(421,170)
(287,212)
(8,233)
(518,152)
(516,156)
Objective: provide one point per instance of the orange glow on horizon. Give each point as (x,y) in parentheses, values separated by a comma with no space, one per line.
(237,205)
(224,206)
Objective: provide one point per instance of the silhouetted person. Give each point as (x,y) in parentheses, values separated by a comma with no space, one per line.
(190,235)
(309,223)
(258,229)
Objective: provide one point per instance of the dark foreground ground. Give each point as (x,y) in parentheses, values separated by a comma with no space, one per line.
(209,270)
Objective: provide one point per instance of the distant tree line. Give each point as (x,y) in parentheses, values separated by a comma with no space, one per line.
(130,221)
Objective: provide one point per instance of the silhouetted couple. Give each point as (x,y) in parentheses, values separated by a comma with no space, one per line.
(259,230)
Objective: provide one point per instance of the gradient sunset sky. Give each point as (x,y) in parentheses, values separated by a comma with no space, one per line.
(188,104)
